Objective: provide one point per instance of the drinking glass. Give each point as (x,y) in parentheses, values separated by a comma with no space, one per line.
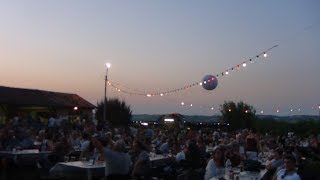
(73,158)
(66,158)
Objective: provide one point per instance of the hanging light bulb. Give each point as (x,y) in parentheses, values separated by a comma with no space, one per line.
(191,105)
(148,95)
(182,103)
(161,94)
(265,55)
(244,64)
(227,72)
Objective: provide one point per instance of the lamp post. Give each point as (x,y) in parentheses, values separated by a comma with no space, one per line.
(108,65)
(319,111)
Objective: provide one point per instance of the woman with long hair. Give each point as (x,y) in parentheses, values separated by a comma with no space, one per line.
(215,166)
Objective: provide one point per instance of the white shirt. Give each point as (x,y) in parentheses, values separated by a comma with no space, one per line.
(116,162)
(180,156)
(51,122)
(212,170)
(84,145)
(289,176)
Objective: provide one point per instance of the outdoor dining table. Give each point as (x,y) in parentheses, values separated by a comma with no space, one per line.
(25,152)
(76,170)
(159,159)
(244,175)
(29,154)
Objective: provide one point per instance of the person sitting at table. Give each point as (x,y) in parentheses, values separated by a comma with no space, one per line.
(156,141)
(215,166)
(60,148)
(74,140)
(275,164)
(10,141)
(193,157)
(84,142)
(109,139)
(202,150)
(25,139)
(289,172)
(117,161)
(45,140)
(142,165)
(233,154)
(181,156)
(165,146)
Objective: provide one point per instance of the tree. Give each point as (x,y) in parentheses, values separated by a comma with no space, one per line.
(238,116)
(118,113)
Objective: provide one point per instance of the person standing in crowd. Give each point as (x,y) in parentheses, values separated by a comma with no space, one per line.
(252,148)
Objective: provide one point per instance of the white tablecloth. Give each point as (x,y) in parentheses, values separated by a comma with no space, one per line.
(78,170)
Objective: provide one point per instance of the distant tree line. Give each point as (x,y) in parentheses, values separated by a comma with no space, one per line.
(241,115)
(238,115)
(302,128)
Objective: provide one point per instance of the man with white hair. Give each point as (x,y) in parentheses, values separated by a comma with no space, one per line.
(117,161)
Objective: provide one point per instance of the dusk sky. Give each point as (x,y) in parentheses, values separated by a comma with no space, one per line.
(156,46)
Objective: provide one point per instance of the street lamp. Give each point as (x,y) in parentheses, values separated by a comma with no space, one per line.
(319,112)
(108,65)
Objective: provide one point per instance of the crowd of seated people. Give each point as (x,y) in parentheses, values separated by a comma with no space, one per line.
(127,151)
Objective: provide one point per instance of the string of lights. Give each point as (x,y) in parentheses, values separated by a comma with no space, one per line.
(283,110)
(186,87)
(216,108)
(136,92)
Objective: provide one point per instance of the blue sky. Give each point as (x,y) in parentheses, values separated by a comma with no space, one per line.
(157,46)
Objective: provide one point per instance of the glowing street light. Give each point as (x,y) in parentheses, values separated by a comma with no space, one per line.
(108,65)
(319,111)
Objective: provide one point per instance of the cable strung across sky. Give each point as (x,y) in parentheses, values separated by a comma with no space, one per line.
(186,87)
